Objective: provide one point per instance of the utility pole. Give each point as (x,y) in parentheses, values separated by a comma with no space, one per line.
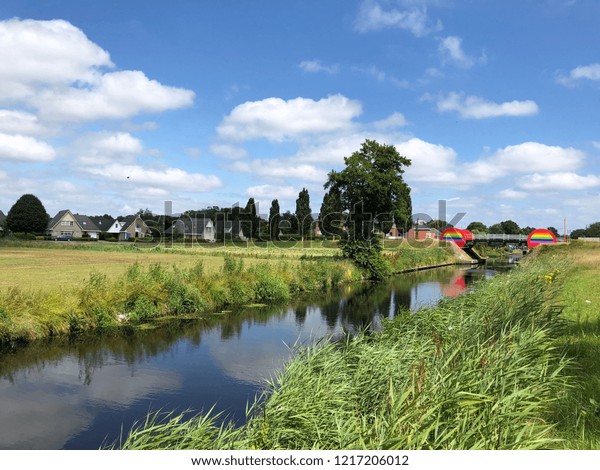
(565,231)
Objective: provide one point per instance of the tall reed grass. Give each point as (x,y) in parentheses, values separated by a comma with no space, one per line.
(477,372)
(143,294)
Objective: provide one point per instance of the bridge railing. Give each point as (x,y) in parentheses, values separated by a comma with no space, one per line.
(500,237)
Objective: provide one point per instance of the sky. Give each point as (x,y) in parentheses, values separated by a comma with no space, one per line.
(115,106)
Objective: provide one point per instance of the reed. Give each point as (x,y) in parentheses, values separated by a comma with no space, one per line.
(145,293)
(479,372)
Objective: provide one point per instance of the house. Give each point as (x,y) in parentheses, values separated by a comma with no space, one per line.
(103,222)
(68,225)
(2,220)
(194,228)
(422,232)
(229,230)
(129,228)
(393,233)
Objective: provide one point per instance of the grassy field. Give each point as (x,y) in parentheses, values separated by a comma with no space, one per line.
(51,265)
(51,268)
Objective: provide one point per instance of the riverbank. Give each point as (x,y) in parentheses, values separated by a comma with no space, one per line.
(482,371)
(51,290)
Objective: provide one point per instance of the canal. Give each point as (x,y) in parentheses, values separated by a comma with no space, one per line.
(82,393)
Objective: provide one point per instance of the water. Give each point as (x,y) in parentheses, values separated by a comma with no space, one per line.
(79,394)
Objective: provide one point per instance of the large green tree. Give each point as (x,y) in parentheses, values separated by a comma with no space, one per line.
(274,218)
(27,215)
(303,213)
(372,189)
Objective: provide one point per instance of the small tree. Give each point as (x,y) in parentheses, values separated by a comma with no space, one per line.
(303,213)
(477,227)
(27,215)
(331,213)
(274,218)
(250,226)
(509,226)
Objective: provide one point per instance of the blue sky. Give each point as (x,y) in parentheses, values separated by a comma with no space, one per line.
(113,106)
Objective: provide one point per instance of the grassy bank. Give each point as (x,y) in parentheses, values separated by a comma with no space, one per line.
(49,288)
(578,414)
(479,372)
(145,293)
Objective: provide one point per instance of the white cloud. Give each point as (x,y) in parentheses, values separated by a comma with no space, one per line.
(315,66)
(583,72)
(452,52)
(432,163)
(20,122)
(45,52)
(558,181)
(106,147)
(167,178)
(116,95)
(55,69)
(281,169)
(25,149)
(474,107)
(268,191)
(393,121)
(512,194)
(372,17)
(524,158)
(277,120)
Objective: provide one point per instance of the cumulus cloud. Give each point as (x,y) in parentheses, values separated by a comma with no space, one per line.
(474,107)
(281,169)
(25,149)
(106,147)
(116,95)
(167,178)
(45,52)
(393,121)
(452,52)
(432,163)
(57,70)
(558,181)
(583,72)
(315,66)
(372,17)
(20,122)
(276,120)
(526,157)
(268,191)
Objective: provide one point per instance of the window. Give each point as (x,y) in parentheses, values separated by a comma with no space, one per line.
(66,223)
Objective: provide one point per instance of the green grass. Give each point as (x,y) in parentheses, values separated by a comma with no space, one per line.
(578,414)
(482,371)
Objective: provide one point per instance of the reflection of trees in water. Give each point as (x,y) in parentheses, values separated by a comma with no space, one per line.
(352,308)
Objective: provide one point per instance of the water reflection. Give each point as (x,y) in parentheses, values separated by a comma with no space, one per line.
(73,393)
